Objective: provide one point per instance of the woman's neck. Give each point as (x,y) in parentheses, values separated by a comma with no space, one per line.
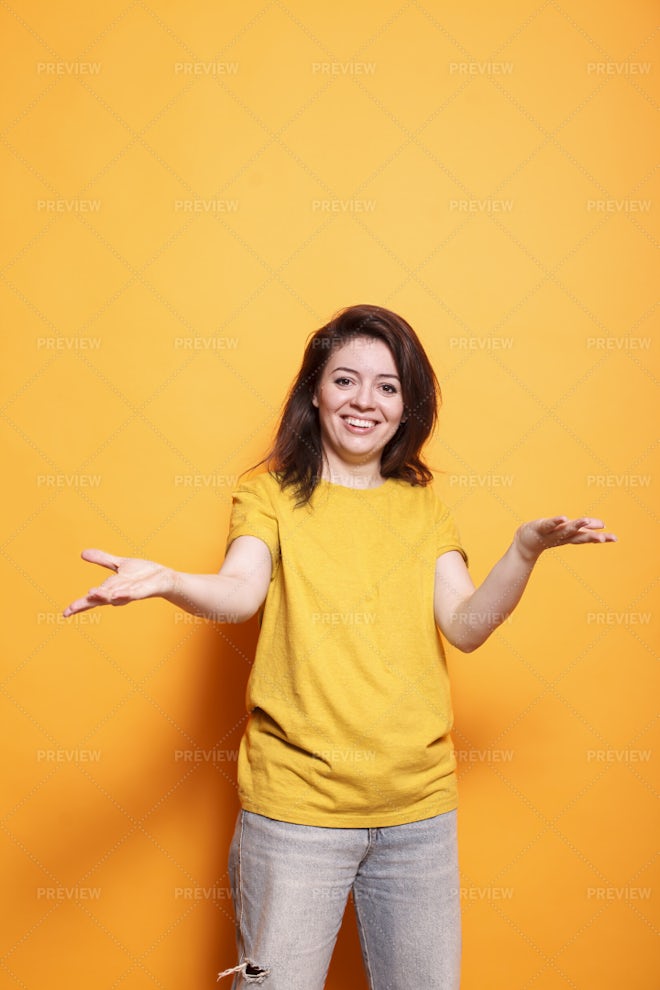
(359,476)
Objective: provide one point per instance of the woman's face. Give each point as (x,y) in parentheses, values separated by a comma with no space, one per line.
(360,405)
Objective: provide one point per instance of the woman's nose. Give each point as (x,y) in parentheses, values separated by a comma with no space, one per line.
(363,397)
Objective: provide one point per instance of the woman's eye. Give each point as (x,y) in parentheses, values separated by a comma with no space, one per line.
(342,381)
(390,389)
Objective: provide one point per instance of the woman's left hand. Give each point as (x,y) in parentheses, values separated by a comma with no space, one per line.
(532,538)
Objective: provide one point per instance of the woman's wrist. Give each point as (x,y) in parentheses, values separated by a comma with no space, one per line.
(528,554)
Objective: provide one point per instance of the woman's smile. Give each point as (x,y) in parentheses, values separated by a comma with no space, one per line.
(357,425)
(358,399)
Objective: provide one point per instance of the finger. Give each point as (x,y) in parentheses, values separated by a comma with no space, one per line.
(573,526)
(80,605)
(586,536)
(550,526)
(582,522)
(564,531)
(108,560)
(96,597)
(114,591)
(553,523)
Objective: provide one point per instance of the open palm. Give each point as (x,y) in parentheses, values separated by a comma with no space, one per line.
(133,579)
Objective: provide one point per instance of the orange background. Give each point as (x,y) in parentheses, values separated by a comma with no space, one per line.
(191,189)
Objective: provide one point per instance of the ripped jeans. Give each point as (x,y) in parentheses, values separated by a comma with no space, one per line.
(290,884)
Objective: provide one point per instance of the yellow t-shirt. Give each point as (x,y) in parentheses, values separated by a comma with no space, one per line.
(349,702)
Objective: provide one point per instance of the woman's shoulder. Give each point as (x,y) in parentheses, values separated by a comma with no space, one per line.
(264,485)
(428,502)
(420,493)
(256,480)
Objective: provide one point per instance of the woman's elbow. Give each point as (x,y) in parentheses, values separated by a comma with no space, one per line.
(467,640)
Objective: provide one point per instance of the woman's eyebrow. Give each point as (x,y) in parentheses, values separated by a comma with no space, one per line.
(383,374)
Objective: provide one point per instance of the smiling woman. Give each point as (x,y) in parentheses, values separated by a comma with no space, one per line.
(356,399)
(346,770)
(368,375)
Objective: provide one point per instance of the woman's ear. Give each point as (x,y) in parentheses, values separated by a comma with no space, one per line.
(315,401)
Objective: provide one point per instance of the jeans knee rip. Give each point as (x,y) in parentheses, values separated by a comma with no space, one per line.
(253,973)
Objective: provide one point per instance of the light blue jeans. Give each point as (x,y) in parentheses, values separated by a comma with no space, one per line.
(290,884)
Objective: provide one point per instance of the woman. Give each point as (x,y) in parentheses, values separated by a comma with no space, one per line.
(346,770)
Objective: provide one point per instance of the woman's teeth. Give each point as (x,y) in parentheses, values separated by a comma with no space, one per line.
(362,423)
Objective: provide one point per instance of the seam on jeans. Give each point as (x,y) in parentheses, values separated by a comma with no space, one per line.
(363,943)
(259,973)
(239,885)
(239,895)
(370,843)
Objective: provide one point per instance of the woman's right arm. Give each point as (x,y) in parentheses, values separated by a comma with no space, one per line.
(232,595)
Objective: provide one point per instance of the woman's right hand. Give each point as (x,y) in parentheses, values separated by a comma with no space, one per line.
(133,579)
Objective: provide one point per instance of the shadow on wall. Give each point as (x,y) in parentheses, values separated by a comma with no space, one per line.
(222,704)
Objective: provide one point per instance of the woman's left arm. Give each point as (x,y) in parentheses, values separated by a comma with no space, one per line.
(467,615)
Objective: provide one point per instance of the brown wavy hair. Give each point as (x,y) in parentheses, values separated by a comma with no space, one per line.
(296,457)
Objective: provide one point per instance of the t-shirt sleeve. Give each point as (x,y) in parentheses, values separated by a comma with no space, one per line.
(253,514)
(447,536)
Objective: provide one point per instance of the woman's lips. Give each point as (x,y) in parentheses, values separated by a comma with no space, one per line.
(356,424)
